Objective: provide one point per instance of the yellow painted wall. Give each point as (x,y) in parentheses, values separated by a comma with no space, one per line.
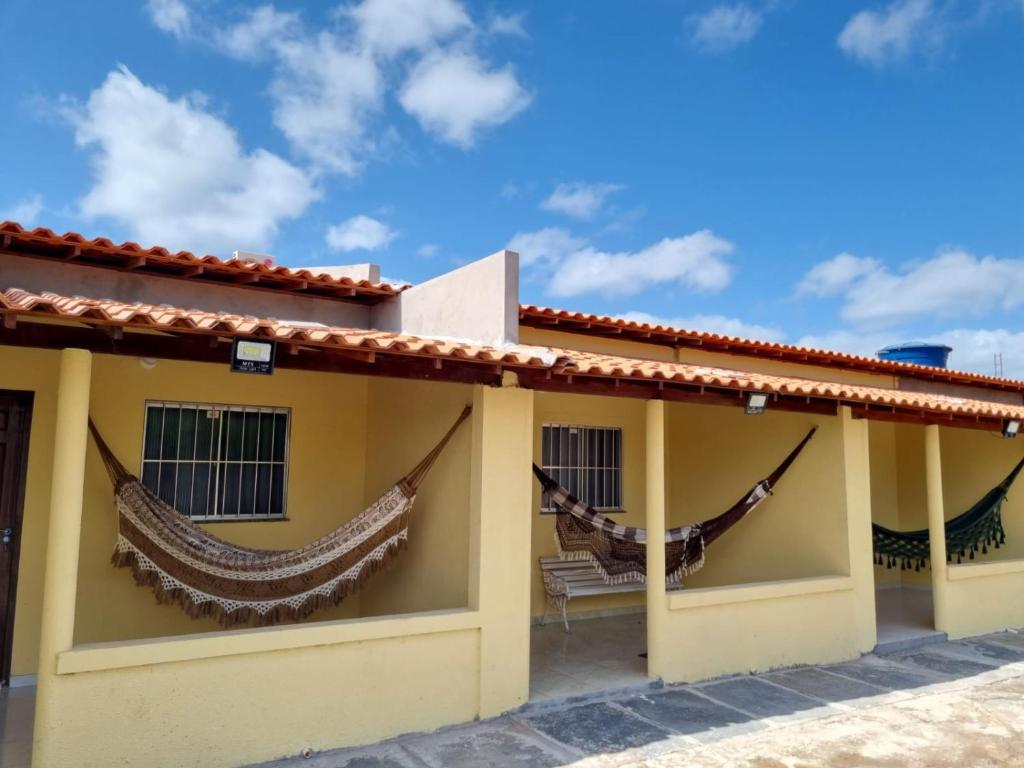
(717,454)
(32,370)
(262,700)
(983,595)
(972,463)
(587,410)
(337,423)
(404,421)
(716,630)
(229,698)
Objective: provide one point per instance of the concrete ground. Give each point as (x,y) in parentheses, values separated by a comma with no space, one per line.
(957,704)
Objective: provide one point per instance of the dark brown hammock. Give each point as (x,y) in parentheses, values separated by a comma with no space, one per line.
(208,576)
(619,552)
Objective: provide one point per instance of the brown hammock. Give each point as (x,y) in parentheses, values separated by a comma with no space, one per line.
(208,576)
(619,552)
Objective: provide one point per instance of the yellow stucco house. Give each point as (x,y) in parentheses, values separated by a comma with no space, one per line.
(365,377)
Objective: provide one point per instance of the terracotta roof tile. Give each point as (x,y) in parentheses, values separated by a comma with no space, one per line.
(537,316)
(588,363)
(19,303)
(75,248)
(16,302)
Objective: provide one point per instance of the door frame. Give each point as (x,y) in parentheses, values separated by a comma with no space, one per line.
(21,424)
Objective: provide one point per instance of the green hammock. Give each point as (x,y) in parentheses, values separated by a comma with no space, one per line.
(979,527)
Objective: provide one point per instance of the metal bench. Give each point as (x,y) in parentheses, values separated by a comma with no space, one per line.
(565,579)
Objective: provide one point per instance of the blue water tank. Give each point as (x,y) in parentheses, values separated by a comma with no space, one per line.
(917,353)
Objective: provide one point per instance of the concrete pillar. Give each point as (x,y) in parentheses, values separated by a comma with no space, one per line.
(60,583)
(936,523)
(857,496)
(500,542)
(657,602)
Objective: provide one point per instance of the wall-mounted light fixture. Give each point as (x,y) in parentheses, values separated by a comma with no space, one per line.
(1011,427)
(756,403)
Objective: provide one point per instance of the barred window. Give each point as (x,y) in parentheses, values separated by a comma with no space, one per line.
(585,460)
(217,462)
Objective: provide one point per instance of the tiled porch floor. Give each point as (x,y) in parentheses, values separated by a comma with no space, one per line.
(904,615)
(598,654)
(17,710)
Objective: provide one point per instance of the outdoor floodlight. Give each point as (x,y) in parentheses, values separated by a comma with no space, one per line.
(756,403)
(1011,427)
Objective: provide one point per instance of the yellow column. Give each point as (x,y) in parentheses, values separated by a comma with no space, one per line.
(936,523)
(657,602)
(500,542)
(61,578)
(857,494)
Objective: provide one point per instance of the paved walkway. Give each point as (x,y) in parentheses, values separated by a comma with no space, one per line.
(957,704)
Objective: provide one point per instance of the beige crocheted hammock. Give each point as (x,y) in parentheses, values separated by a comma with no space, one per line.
(208,576)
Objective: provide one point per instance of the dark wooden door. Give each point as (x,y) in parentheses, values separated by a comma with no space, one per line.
(15,414)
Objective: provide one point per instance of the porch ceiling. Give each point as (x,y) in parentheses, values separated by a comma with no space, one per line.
(171,332)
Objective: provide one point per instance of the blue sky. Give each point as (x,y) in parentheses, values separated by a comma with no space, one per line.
(843,174)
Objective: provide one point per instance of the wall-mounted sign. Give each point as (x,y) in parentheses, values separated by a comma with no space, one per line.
(250,356)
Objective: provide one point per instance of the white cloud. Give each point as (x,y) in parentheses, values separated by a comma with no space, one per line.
(695,261)
(256,36)
(329,85)
(725,27)
(427,250)
(171,16)
(26,211)
(974,350)
(722,324)
(551,244)
(954,283)
(454,94)
(390,27)
(572,266)
(881,37)
(510,25)
(360,233)
(325,95)
(837,274)
(174,174)
(579,199)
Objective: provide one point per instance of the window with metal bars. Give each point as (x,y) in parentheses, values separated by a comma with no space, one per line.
(585,460)
(217,462)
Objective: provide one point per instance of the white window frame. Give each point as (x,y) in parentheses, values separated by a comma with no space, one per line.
(583,464)
(218,463)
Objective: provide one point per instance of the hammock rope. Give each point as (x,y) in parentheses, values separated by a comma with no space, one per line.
(208,576)
(619,552)
(977,529)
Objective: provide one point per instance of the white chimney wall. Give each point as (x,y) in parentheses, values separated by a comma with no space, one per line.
(478,302)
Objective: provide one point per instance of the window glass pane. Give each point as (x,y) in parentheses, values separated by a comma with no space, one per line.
(154,418)
(205,434)
(183,494)
(187,443)
(266,436)
(277,490)
(247,492)
(250,435)
(149,474)
(168,474)
(169,447)
(280,435)
(545,451)
(229,490)
(263,474)
(231,436)
(201,489)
